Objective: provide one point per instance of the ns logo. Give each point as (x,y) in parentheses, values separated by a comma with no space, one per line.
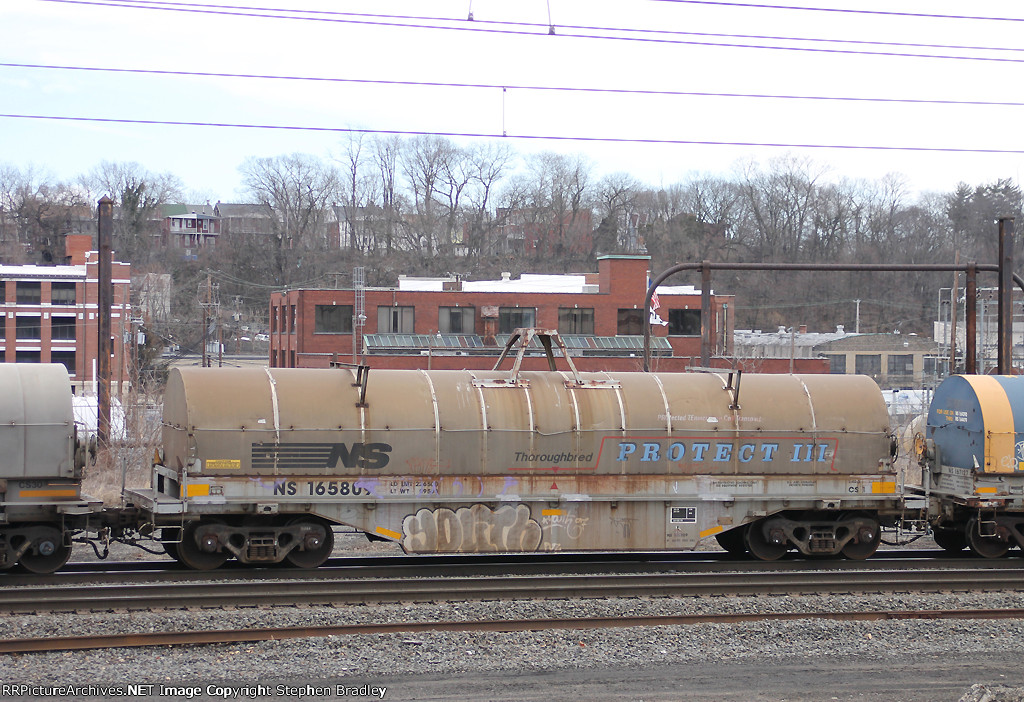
(359,455)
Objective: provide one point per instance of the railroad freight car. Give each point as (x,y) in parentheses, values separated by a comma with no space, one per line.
(41,505)
(973,460)
(258,464)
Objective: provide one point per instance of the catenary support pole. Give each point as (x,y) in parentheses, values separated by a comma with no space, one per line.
(104,300)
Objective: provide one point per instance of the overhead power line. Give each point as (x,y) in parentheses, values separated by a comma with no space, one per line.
(564,30)
(533,137)
(843,10)
(495,86)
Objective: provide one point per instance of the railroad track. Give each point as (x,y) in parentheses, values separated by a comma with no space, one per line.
(487,564)
(148,585)
(337,586)
(235,636)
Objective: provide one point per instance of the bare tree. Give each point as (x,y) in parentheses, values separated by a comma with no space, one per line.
(423,163)
(386,152)
(561,209)
(138,196)
(456,177)
(357,191)
(35,213)
(489,164)
(616,199)
(779,204)
(299,190)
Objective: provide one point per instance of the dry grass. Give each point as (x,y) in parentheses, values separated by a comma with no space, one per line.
(127,462)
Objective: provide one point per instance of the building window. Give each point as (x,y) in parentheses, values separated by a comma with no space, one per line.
(630,322)
(572,320)
(62,329)
(684,322)
(292,321)
(26,328)
(65,357)
(836,363)
(29,293)
(512,318)
(332,319)
(936,366)
(395,320)
(26,357)
(3,291)
(62,293)
(868,364)
(456,320)
(901,364)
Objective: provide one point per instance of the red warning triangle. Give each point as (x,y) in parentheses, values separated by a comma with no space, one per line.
(554,486)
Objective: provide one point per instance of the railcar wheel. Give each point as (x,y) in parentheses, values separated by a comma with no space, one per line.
(865,542)
(47,552)
(764,542)
(199,556)
(734,541)
(318,542)
(985,546)
(950,539)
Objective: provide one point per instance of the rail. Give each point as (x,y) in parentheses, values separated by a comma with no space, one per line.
(409,582)
(217,636)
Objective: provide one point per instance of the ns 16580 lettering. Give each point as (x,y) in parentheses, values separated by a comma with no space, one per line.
(332,488)
(320,488)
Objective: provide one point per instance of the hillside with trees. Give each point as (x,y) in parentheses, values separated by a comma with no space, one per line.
(429,206)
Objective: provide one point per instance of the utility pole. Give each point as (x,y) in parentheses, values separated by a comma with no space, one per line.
(1004,353)
(209,300)
(105,299)
(856,327)
(954,295)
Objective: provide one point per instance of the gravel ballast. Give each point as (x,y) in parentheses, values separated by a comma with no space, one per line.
(762,660)
(442,653)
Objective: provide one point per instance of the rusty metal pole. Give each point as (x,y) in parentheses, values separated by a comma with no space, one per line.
(1005,327)
(953,298)
(705,314)
(971,319)
(104,300)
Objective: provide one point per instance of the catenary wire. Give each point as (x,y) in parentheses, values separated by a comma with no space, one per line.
(523,32)
(889,13)
(533,137)
(495,86)
(540,27)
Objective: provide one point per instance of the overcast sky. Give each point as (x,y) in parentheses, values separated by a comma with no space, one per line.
(677,46)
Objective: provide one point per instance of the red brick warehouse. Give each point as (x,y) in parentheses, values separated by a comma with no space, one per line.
(448,323)
(50,314)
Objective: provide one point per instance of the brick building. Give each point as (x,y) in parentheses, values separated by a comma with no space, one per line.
(50,313)
(455,324)
(893,360)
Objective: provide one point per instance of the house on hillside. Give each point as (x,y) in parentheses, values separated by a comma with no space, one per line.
(242,220)
(189,228)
